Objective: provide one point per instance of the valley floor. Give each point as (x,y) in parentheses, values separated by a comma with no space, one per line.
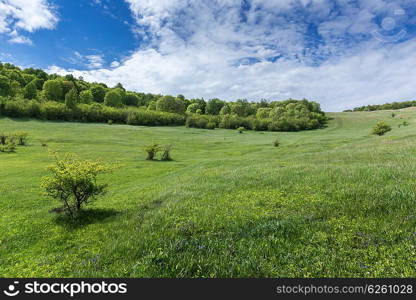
(333,202)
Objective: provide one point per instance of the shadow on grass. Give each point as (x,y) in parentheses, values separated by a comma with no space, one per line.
(85,217)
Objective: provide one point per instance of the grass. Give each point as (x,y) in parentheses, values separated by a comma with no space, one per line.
(334,202)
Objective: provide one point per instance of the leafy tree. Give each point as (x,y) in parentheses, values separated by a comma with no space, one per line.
(214,106)
(263,113)
(119,86)
(53,90)
(86,97)
(74,182)
(152,105)
(30,90)
(5,86)
(113,98)
(381,128)
(225,110)
(166,153)
(131,99)
(170,104)
(98,92)
(71,98)
(192,108)
(67,86)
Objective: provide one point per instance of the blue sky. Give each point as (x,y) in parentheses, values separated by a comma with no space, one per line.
(341,53)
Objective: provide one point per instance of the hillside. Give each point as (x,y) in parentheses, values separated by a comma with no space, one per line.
(331,202)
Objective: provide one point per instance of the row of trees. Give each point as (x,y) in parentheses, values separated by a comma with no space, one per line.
(34,93)
(386,106)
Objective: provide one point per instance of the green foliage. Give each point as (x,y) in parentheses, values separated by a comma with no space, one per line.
(30,90)
(113,98)
(21,137)
(241,129)
(71,99)
(152,105)
(170,104)
(405,124)
(98,92)
(86,97)
(110,122)
(386,106)
(5,86)
(192,108)
(154,118)
(9,146)
(131,99)
(381,128)
(53,90)
(214,106)
(152,150)
(166,153)
(74,182)
(225,110)
(276,143)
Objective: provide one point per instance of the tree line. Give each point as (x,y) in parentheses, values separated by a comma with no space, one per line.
(36,94)
(386,106)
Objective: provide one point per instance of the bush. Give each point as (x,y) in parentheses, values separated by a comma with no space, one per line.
(3,138)
(276,143)
(110,122)
(9,146)
(211,125)
(21,137)
(166,153)
(74,182)
(151,150)
(381,128)
(241,129)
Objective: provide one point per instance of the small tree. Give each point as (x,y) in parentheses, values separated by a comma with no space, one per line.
(166,153)
(381,128)
(86,97)
(21,137)
(9,146)
(30,90)
(241,129)
(151,150)
(71,98)
(113,98)
(74,182)
(276,143)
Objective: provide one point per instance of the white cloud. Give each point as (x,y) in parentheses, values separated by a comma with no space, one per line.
(25,15)
(115,64)
(202,49)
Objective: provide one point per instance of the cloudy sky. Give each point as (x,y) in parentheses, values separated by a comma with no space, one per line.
(341,53)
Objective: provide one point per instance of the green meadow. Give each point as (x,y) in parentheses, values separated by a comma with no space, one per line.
(331,202)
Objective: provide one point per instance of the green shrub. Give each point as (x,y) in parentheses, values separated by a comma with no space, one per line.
(211,125)
(381,128)
(21,137)
(9,146)
(3,138)
(241,129)
(276,143)
(152,150)
(74,182)
(110,122)
(166,153)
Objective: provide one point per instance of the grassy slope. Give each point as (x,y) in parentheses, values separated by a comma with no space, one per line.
(331,202)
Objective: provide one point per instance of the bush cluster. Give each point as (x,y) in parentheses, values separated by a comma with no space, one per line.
(10,141)
(154,148)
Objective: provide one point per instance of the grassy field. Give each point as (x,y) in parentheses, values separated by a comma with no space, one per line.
(334,202)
